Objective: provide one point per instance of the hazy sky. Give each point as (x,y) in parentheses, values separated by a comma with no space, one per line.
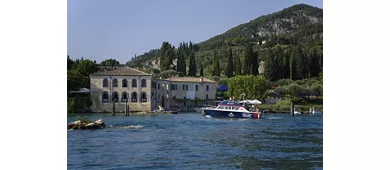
(102,29)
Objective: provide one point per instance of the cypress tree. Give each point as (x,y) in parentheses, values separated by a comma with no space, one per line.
(192,66)
(286,65)
(269,68)
(255,64)
(201,70)
(166,56)
(248,59)
(237,64)
(215,65)
(229,72)
(314,63)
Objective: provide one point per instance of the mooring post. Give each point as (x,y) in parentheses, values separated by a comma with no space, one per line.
(113,108)
(126,108)
(292,109)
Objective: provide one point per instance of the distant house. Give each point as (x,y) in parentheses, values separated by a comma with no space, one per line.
(185,91)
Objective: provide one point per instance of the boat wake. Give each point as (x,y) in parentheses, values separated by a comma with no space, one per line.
(274,118)
(126,127)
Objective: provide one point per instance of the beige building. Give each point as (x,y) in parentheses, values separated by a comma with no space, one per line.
(122,85)
(177,92)
(143,92)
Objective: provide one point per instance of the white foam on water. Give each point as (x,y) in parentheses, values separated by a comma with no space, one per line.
(274,118)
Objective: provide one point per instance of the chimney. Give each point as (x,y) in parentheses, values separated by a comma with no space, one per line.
(201,79)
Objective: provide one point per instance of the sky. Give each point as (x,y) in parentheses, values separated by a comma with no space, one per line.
(119,29)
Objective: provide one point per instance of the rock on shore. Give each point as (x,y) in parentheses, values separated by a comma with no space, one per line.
(98,124)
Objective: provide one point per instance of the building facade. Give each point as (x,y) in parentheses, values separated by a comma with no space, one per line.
(143,92)
(177,92)
(120,86)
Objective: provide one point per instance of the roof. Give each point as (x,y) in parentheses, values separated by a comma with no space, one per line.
(190,79)
(121,71)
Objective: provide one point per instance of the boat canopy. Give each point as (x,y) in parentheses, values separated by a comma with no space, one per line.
(251,101)
(231,103)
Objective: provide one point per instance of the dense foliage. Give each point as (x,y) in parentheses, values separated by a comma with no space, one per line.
(109,62)
(285,44)
(254,87)
(78,77)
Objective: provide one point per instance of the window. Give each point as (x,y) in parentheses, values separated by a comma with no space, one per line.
(134,97)
(105,97)
(143,83)
(143,97)
(124,83)
(124,97)
(185,87)
(134,83)
(207,96)
(115,96)
(196,87)
(105,83)
(115,83)
(173,86)
(158,86)
(207,87)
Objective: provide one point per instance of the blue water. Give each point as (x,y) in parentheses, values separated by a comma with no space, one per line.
(191,141)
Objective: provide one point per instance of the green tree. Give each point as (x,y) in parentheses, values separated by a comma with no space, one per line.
(216,71)
(301,64)
(75,80)
(201,70)
(255,64)
(192,66)
(315,68)
(110,62)
(70,62)
(229,72)
(253,86)
(246,69)
(269,67)
(166,57)
(237,64)
(181,63)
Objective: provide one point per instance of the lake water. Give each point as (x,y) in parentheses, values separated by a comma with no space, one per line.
(191,141)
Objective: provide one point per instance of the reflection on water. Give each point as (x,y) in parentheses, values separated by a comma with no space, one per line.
(190,141)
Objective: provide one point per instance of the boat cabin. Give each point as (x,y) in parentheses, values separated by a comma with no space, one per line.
(230,105)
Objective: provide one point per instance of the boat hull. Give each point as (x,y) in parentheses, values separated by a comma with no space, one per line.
(230,114)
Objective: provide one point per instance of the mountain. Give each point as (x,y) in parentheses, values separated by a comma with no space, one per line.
(299,25)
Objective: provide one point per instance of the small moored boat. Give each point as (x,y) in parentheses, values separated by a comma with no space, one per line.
(231,109)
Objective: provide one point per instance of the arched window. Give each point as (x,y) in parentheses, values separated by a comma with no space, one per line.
(115,96)
(105,97)
(143,97)
(207,96)
(143,83)
(124,83)
(134,83)
(207,87)
(105,83)
(134,97)
(196,87)
(115,83)
(124,97)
